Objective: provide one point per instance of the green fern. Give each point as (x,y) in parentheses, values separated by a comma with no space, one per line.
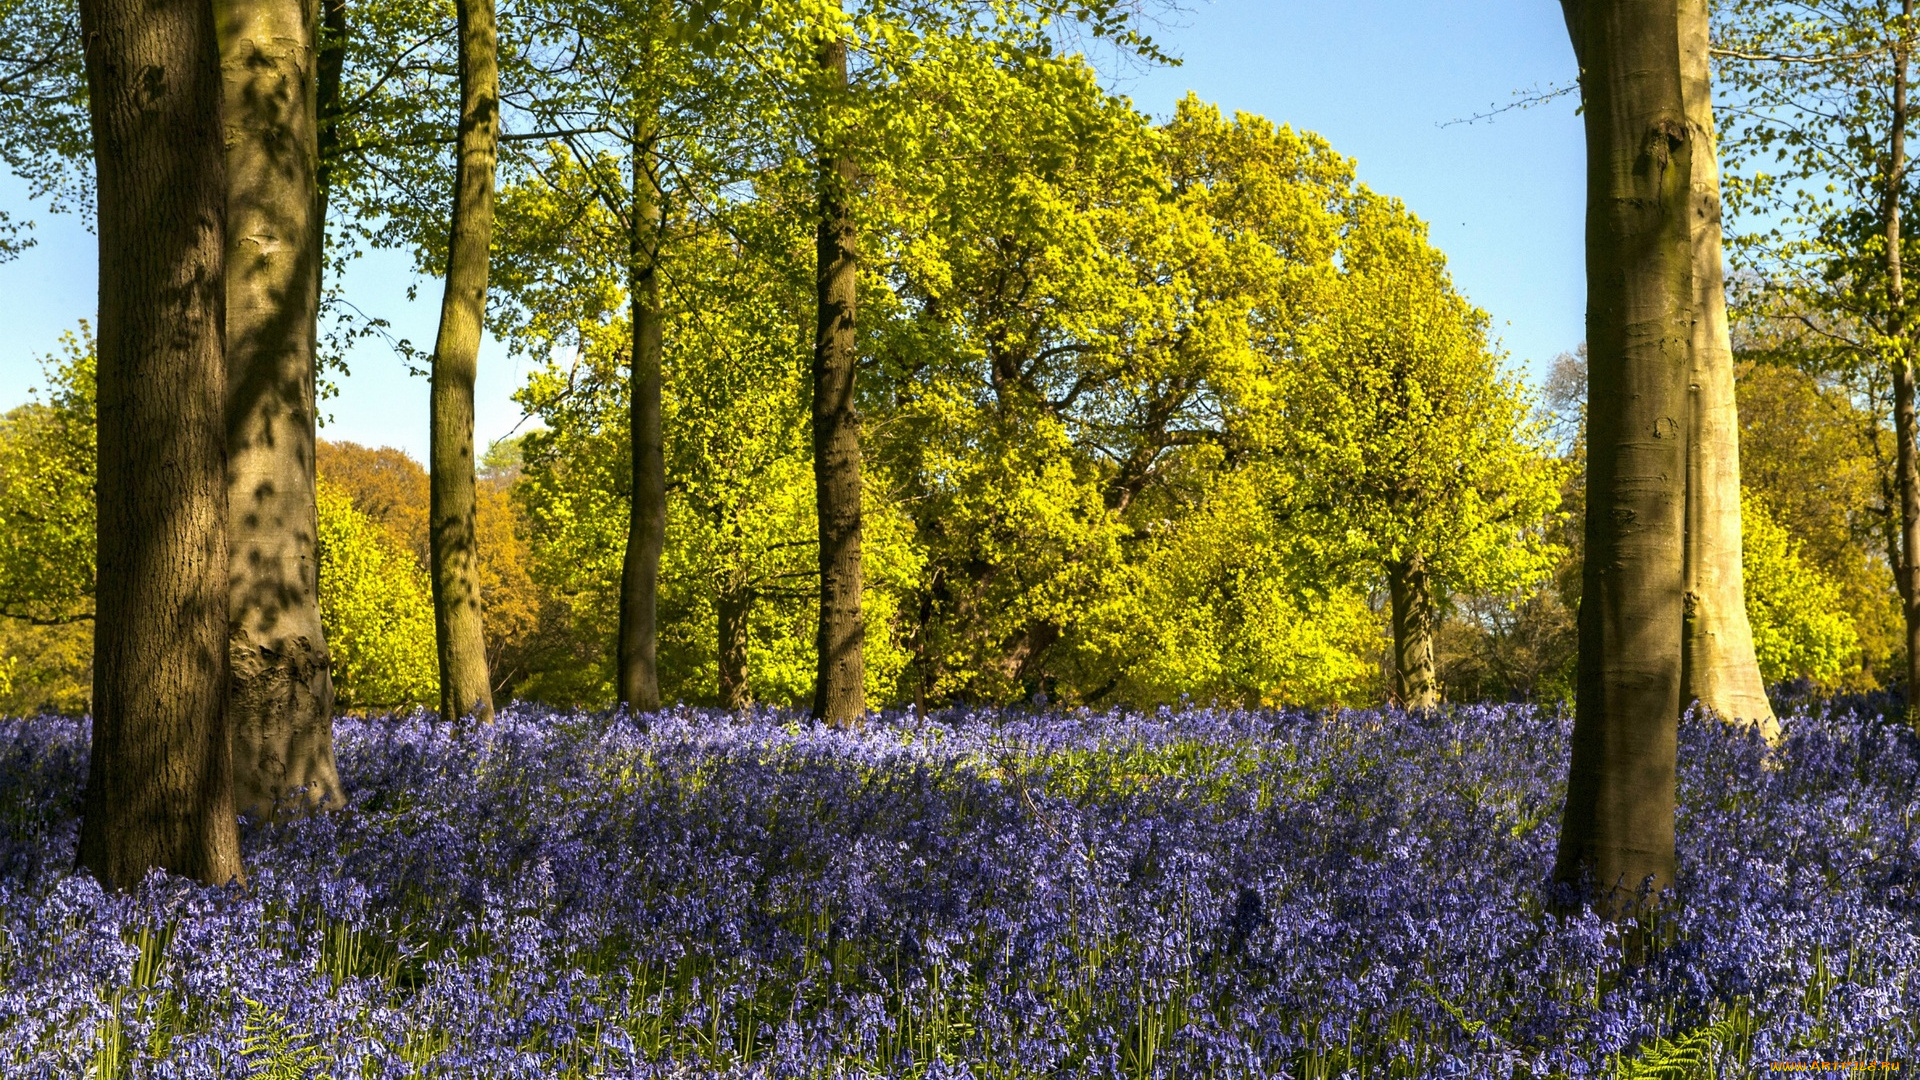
(1689,1056)
(275,1051)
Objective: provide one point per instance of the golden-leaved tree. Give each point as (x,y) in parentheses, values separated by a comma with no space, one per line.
(46,538)
(1799,617)
(377,608)
(1412,454)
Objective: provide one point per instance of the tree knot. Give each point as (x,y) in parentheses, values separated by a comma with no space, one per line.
(1666,136)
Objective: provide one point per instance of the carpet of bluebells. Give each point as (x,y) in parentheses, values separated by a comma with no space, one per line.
(1182,894)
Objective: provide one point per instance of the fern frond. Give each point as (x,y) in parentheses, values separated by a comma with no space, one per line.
(275,1051)
(1688,1057)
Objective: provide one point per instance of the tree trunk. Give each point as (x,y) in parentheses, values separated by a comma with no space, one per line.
(464,686)
(1411,593)
(331,64)
(647,520)
(1905,477)
(280,701)
(1618,825)
(159,784)
(1718,668)
(839,695)
(735,606)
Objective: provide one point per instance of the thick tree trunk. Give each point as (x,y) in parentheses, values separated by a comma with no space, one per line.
(647,517)
(839,695)
(1410,591)
(464,686)
(159,785)
(1718,668)
(1618,826)
(280,705)
(1906,477)
(735,606)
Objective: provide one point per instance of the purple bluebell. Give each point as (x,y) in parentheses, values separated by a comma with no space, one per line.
(1180,893)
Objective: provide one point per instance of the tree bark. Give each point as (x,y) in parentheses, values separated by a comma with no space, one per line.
(159,784)
(1410,591)
(1718,668)
(280,701)
(331,64)
(1906,477)
(647,520)
(735,605)
(1618,824)
(839,695)
(464,687)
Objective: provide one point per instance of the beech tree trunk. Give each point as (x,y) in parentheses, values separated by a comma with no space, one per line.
(1718,668)
(159,784)
(839,695)
(1617,831)
(280,701)
(464,686)
(1410,591)
(647,516)
(1905,477)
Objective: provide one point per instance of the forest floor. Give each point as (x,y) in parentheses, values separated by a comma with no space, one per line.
(987,894)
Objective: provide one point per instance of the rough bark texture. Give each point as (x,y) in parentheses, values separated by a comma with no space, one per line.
(280,702)
(159,785)
(647,518)
(735,605)
(839,695)
(1718,668)
(1618,826)
(464,686)
(1410,590)
(1905,476)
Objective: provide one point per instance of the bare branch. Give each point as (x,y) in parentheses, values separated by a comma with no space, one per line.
(1522,99)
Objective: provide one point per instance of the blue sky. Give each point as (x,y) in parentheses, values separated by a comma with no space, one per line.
(1378,78)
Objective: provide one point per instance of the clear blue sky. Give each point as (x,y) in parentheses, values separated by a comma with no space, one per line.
(1378,78)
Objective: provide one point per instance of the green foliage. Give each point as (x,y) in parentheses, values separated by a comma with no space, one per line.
(45,668)
(1799,619)
(740,505)
(1404,437)
(376,610)
(275,1051)
(1064,405)
(1806,177)
(45,135)
(1720,1049)
(1814,454)
(46,538)
(1087,437)
(46,493)
(1809,187)
(1226,608)
(1147,407)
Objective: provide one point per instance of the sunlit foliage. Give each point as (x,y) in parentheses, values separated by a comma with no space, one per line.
(1800,625)
(376,609)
